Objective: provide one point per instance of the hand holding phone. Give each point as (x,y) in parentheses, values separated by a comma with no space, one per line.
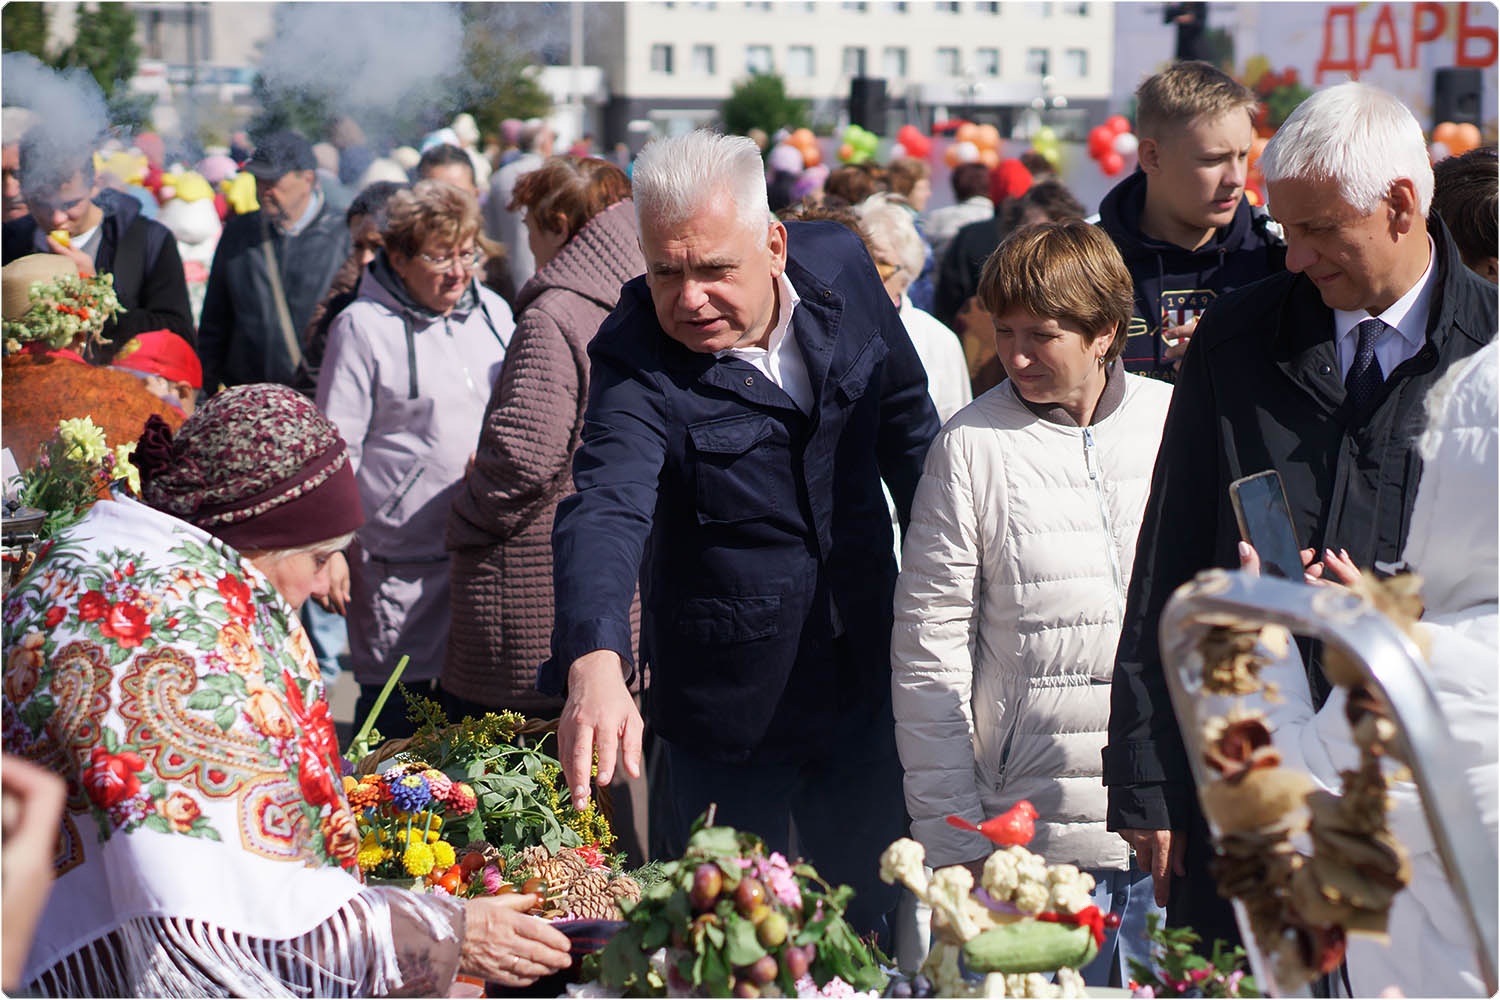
(1265,521)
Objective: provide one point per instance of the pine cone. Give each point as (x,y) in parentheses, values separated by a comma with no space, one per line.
(590,883)
(624,887)
(572,860)
(595,907)
(535,855)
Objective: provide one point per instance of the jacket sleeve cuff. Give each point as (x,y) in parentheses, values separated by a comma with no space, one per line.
(584,637)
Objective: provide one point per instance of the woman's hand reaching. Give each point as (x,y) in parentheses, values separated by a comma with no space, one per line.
(505,945)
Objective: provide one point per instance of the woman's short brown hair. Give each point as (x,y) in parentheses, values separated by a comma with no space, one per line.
(904,173)
(427,210)
(575,187)
(1064,271)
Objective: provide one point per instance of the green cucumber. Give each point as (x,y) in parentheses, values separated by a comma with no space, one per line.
(1030,946)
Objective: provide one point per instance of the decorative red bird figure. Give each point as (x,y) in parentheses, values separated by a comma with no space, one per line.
(1014,826)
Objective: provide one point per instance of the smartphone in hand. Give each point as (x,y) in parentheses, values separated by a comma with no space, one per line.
(1265,522)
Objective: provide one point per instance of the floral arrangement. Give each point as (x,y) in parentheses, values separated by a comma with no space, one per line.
(62,311)
(1177,970)
(730,918)
(401,814)
(522,800)
(74,469)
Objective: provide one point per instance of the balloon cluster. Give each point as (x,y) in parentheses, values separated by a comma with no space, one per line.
(859,145)
(1453,139)
(796,152)
(1047,145)
(911,142)
(1112,143)
(974,142)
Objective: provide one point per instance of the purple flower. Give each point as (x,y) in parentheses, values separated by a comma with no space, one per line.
(410,793)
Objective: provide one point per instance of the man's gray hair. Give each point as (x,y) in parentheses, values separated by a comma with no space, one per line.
(1359,136)
(674,178)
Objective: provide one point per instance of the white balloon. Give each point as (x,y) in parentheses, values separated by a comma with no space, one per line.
(1439,151)
(1126,143)
(965,152)
(898,152)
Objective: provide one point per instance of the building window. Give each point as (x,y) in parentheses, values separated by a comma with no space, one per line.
(661,59)
(948,6)
(758,59)
(1076,62)
(854,60)
(703,60)
(1037,63)
(855,6)
(893,62)
(896,6)
(1043,9)
(800,61)
(988,6)
(947,62)
(1076,9)
(757,4)
(987,62)
(704,4)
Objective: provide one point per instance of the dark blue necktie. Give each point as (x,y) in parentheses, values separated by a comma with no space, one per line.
(1365,377)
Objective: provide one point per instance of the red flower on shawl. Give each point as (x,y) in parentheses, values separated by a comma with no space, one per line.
(314,719)
(236,594)
(126,624)
(314,777)
(110,777)
(55,615)
(92,606)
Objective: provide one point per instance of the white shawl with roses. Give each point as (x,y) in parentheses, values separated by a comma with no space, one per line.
(207,847)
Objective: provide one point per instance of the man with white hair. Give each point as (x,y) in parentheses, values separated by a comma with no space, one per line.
(1319,373)
(749,393)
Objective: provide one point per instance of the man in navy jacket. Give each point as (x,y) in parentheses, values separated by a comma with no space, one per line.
(747,397)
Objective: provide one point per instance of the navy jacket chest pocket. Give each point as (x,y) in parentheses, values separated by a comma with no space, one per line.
(737,461)
(854,382)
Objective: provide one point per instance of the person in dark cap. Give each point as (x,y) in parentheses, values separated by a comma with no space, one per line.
(273,266)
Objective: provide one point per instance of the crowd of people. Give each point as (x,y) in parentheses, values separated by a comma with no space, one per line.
(776,488)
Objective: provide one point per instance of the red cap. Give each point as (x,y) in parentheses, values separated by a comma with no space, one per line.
(164,353)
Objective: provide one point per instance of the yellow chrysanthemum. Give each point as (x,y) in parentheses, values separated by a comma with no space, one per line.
(443,855)
(124,466)
(417,859)
(433,837)
(84,440)
(370,857)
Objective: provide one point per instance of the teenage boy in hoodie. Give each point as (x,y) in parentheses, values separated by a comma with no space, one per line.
(1181,221)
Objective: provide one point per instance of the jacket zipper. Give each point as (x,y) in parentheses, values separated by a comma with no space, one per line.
(1091,463)
(1010,738)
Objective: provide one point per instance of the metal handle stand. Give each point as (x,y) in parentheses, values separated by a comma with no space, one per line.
(1393,664)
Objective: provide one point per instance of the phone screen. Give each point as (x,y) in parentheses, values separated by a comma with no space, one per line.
(1266,523)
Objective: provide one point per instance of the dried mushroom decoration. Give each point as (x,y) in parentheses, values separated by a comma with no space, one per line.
(1301,906)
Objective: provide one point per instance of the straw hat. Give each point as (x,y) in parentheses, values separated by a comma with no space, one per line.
(17,277)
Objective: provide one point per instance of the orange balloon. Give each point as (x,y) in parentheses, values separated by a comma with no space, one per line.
(846,152)
(812,154)
(988,137)
(1445,133)
(1467,138)
(802,137)
(1257,146)
(967,132)
(989,157)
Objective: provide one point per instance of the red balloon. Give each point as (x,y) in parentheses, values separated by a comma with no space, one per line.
(1111,163)
(1117,124)
(1101,141)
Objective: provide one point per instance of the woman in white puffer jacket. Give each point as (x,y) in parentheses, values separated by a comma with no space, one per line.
(1014,573)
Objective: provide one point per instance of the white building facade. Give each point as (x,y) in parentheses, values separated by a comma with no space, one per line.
(671,62)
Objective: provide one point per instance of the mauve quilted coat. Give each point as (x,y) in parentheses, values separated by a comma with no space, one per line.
(500,528)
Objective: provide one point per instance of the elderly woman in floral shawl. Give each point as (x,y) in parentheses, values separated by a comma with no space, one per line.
(155,660)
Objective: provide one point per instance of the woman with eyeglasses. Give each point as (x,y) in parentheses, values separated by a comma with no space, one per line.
(406,378)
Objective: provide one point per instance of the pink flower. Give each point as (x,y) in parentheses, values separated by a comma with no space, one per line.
(779,878)
(492,880)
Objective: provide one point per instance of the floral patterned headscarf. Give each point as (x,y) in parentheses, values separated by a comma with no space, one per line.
(163,676)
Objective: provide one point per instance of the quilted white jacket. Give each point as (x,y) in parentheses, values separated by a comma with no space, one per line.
(1008,610)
